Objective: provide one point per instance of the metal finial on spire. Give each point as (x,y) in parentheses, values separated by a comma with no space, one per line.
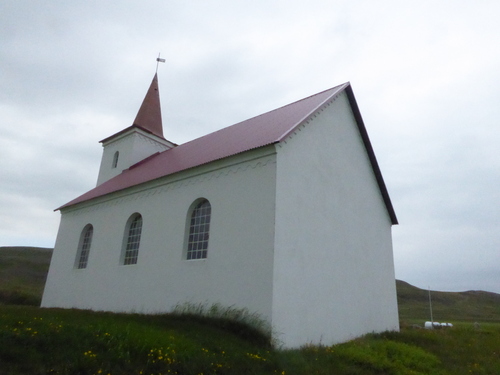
(158,61)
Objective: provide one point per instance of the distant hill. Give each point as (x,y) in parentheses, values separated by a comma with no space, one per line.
(23,271)
(472,305)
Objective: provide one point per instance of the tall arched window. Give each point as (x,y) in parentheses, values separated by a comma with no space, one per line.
(82,255)
(132,239)
(199,230)
(115,159)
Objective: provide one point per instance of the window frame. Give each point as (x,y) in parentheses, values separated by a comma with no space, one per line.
(196,226)
(131,241)
(84,246)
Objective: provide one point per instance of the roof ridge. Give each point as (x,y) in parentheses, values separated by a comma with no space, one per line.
(275,110)
(296,102)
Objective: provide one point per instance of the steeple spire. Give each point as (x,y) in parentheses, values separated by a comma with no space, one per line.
(149,115)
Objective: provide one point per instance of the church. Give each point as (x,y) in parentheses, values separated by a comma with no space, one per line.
(285,214)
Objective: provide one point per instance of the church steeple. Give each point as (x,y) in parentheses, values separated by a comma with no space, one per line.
(149,115)
(136,142)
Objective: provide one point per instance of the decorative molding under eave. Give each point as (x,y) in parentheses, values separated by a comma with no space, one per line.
(309,120)
(149,190)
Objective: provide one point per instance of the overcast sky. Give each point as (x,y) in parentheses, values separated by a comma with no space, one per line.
(425,74)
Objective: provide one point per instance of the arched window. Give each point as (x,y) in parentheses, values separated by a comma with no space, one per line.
(115,159)
(82,255)
(199,230)
(132,239)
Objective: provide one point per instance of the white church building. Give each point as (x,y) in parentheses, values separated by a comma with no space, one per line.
(285,214)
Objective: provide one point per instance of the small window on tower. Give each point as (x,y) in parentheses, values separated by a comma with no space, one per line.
(115,159)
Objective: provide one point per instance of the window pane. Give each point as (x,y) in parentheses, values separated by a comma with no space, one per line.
(199,231)
(115,159)
(133,241)
(85,247)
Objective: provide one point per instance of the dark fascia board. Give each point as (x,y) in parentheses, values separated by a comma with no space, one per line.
(371,155)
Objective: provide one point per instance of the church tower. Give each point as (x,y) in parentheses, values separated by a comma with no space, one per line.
(136,142)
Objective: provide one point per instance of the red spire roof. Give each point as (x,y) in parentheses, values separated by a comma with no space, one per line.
(149,115)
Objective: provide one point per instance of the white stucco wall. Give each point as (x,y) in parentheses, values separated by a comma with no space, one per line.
(238,270)
(333,267)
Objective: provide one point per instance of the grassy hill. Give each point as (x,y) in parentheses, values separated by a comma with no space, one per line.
(23,271)
(413,304)
(64,341)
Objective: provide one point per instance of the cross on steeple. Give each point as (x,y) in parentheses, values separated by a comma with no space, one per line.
(158,61)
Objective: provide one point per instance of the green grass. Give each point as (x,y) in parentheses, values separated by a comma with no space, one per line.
(58,341)
(199,339)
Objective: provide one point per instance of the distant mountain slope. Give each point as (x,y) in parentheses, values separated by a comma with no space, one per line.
(472,305)
(23,271)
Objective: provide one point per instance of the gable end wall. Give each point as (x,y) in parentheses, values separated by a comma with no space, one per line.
(333,267)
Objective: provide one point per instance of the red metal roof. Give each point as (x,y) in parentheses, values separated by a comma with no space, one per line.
(268,128)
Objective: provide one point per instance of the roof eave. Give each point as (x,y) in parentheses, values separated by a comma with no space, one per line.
(340,88)
(77,200)
(133,126)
